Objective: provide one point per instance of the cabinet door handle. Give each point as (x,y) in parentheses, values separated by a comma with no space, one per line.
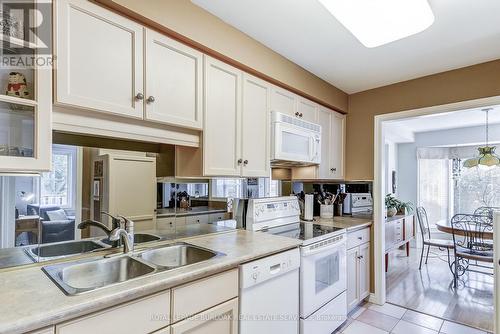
(245,162)
(333,169)
(360,238)
(151,99)
(240,161)
(139,96)
(360,257)
(297,114)
(300,115)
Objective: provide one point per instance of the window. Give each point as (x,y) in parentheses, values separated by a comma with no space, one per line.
(224,188)
(444,193)
(476,187)
(58,187)
(434,189)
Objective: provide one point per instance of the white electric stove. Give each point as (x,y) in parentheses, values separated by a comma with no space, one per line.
(323,304)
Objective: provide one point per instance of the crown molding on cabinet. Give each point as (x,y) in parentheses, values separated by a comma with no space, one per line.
(124,11)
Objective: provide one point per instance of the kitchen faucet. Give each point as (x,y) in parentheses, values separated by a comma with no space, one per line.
(126,234)
(94,223)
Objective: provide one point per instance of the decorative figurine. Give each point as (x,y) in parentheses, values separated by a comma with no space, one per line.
(17,85)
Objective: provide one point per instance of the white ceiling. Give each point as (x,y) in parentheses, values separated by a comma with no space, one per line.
(465,32)
(404,130)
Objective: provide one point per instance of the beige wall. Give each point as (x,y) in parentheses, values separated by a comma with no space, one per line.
(463,84)
(192,21)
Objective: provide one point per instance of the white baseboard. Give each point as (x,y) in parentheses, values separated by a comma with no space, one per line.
(372,299)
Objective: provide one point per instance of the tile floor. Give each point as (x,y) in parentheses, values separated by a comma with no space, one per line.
(375,319)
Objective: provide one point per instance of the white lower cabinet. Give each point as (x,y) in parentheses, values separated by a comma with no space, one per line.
(221,319)
(140,316)
(205,306)
(358,272)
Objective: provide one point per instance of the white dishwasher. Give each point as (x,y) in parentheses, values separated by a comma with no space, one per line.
(269,294)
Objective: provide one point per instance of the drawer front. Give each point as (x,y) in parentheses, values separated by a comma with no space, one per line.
(201,219)
(142,316)
(214,217)
(357,238)
(166,223)
(221,319)
(203,294)
(398,231)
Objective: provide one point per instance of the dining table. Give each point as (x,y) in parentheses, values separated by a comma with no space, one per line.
(445,226)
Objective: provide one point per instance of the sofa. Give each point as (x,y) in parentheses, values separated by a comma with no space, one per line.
(53,230)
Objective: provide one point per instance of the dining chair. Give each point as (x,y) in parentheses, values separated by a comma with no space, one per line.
(471,245)
(486,211)
(425,230)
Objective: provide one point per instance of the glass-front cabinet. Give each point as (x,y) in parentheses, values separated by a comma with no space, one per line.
(25,87)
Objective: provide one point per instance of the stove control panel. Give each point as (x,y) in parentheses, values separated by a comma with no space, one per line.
(271,212)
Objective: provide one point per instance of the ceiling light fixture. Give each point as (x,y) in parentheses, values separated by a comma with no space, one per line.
(487,156)
(378,22)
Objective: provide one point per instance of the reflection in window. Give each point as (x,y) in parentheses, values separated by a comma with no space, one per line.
(224,188)
(57,185)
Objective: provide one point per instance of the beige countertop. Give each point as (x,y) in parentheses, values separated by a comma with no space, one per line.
(30,300)
(350,223)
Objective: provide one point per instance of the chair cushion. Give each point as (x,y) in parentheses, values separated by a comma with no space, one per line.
(57,215)
(473,254)
(440,243)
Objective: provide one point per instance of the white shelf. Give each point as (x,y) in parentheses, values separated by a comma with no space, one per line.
(17,41)
(18,100)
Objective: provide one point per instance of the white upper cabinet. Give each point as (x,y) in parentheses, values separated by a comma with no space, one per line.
(25,102)
(283,101)
(324,118)
(332,144)
(255,127)
(222,119)
(174,78)
(337,145)
(99,59)
(307,110)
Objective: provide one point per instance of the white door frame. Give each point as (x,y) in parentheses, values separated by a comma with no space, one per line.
(379,296)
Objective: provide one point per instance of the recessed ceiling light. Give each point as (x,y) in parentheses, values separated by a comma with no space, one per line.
(378,22)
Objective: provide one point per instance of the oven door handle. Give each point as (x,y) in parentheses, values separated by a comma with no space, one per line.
(308,252)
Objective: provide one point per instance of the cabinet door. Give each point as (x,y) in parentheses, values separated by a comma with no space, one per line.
(308,110)
(324,119)
(222,119)
(99,59)
(173,82)
(283,101)
(352,278)
(255,127)
(364,270)
(49,330)
(221,319)
(337,145)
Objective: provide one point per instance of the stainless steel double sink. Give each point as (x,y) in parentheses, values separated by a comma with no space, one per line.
(90,274)
(47,252)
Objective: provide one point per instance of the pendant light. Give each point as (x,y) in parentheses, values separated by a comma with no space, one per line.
(487,156)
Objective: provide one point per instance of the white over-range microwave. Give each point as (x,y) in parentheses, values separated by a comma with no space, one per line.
(294,142)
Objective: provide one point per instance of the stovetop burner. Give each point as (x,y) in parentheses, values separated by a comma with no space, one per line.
(309,232)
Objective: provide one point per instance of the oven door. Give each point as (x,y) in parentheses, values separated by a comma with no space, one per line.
(295,144)
(322,274)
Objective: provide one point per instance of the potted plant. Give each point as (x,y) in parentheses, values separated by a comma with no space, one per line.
(395,206)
